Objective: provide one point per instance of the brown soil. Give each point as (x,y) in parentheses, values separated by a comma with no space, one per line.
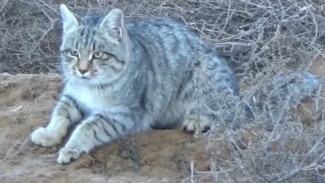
(155,156)
(26,103)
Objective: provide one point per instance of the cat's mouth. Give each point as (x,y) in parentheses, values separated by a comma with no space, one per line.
(84,77)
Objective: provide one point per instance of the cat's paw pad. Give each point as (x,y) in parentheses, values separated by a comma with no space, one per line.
(193,124)
(66,155)
(44,138)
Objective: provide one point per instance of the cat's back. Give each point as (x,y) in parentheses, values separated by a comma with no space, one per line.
(167,43)
(158,26)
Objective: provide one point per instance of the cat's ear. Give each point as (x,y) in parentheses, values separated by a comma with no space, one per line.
(114,24)
(69,20)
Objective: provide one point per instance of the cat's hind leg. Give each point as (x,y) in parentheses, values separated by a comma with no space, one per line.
(195,123)
(211,109)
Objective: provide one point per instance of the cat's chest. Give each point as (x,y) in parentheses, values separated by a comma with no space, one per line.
(92,100)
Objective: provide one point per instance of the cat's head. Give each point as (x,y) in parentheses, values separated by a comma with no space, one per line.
(94,49)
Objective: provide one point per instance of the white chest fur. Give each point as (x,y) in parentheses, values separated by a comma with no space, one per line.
(92,99)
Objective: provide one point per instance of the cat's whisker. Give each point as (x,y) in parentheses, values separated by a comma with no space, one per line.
(100,88)
(94,84)
(66,79)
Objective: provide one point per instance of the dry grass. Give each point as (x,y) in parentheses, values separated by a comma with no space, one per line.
(258,36)
(261,38)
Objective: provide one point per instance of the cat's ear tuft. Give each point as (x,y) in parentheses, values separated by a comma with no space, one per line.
(69,20)
(114,23)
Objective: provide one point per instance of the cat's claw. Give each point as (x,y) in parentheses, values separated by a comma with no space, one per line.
(192,125)
(66,155)
(44,138)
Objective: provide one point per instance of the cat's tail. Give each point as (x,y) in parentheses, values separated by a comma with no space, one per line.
(282,93)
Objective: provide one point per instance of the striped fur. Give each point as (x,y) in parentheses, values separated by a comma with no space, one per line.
(122,79)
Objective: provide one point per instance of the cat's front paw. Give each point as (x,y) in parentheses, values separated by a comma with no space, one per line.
(42,137)
(66,155)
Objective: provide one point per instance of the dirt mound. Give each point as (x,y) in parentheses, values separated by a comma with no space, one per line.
(26,103)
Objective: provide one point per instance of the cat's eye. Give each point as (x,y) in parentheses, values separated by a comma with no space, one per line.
(98,55)
(74,53)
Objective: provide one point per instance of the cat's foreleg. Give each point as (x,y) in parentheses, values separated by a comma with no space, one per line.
(64,114)
(97,130)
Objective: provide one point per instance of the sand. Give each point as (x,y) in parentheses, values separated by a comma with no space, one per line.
(155,156)
(26,102)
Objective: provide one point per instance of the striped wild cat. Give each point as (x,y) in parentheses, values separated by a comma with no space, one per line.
(121,79)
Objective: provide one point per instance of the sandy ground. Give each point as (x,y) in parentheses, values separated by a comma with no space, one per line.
(26,102)
(156,156)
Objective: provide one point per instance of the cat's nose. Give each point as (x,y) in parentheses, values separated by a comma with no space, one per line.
(82,71)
